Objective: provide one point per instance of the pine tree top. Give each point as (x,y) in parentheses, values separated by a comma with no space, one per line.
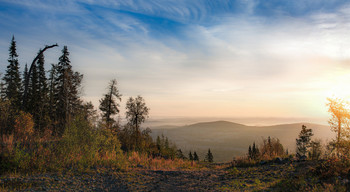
(13,49)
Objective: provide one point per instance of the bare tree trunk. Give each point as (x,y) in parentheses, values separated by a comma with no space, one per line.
(26,82)
(338,138)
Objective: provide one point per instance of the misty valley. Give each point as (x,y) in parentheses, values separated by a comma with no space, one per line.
(228,140)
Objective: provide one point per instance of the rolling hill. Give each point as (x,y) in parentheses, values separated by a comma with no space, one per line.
(227,139)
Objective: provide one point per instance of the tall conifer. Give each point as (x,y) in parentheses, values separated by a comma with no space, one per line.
(53,93)
(33,94)
(67,95)
(255,151)
(42,114)
(250,153)
(190,156)
(12,76)
(195,157)
(209,157)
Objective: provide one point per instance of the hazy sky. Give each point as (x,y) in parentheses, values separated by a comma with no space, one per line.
(241,58)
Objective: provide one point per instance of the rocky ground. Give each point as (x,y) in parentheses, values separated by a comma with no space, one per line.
(268,177)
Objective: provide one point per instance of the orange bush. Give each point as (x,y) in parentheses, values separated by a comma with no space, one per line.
(23,128)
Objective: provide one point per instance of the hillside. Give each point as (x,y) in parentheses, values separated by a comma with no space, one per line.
(228,139)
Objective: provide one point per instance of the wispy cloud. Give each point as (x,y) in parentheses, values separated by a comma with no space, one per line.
(228,54)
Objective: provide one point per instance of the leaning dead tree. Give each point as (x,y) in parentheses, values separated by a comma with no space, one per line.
(26,82)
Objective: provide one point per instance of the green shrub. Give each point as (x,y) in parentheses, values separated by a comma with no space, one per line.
(21,159)
(83,146)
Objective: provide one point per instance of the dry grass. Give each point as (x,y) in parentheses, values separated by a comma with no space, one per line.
(144,161)
(243,162)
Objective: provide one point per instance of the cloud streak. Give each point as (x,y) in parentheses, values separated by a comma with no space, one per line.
(233,57)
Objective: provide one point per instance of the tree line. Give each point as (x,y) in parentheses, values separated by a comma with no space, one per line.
(308,148)
(44,108)
(208,157)
(52,101)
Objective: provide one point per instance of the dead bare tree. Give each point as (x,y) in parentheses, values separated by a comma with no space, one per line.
(26,82)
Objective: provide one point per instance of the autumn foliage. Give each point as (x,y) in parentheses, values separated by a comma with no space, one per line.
(24,126)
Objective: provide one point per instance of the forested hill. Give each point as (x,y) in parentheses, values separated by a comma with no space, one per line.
(228,139)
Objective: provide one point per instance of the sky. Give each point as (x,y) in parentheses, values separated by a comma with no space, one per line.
(200,58)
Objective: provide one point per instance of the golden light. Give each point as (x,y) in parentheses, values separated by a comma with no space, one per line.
(339,87)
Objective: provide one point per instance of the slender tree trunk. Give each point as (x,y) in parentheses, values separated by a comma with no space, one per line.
(109,106)
(338,138)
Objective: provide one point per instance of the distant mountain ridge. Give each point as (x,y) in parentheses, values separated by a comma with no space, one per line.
(229,123)
(215,123)
(228,139)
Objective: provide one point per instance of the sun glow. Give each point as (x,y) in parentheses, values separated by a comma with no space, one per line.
(339,87)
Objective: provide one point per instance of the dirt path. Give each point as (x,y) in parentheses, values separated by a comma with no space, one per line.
(137,180)
(203,180)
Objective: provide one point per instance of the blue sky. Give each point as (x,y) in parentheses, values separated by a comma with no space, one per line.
(197,57)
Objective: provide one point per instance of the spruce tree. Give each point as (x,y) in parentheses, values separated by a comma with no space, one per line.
(53,92)
(12,77)
(42,115)
(190,156)
(166,143)
(33,92)
(108,104)
(209,157)
(179,154)
(303,142)
(159,144)
(64,71)
(89,113)
(25,74)
(2,89)
(315,150)
(250,154)
(37,103)
(195,157)
(269,146)
(255,152)
(67,95)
